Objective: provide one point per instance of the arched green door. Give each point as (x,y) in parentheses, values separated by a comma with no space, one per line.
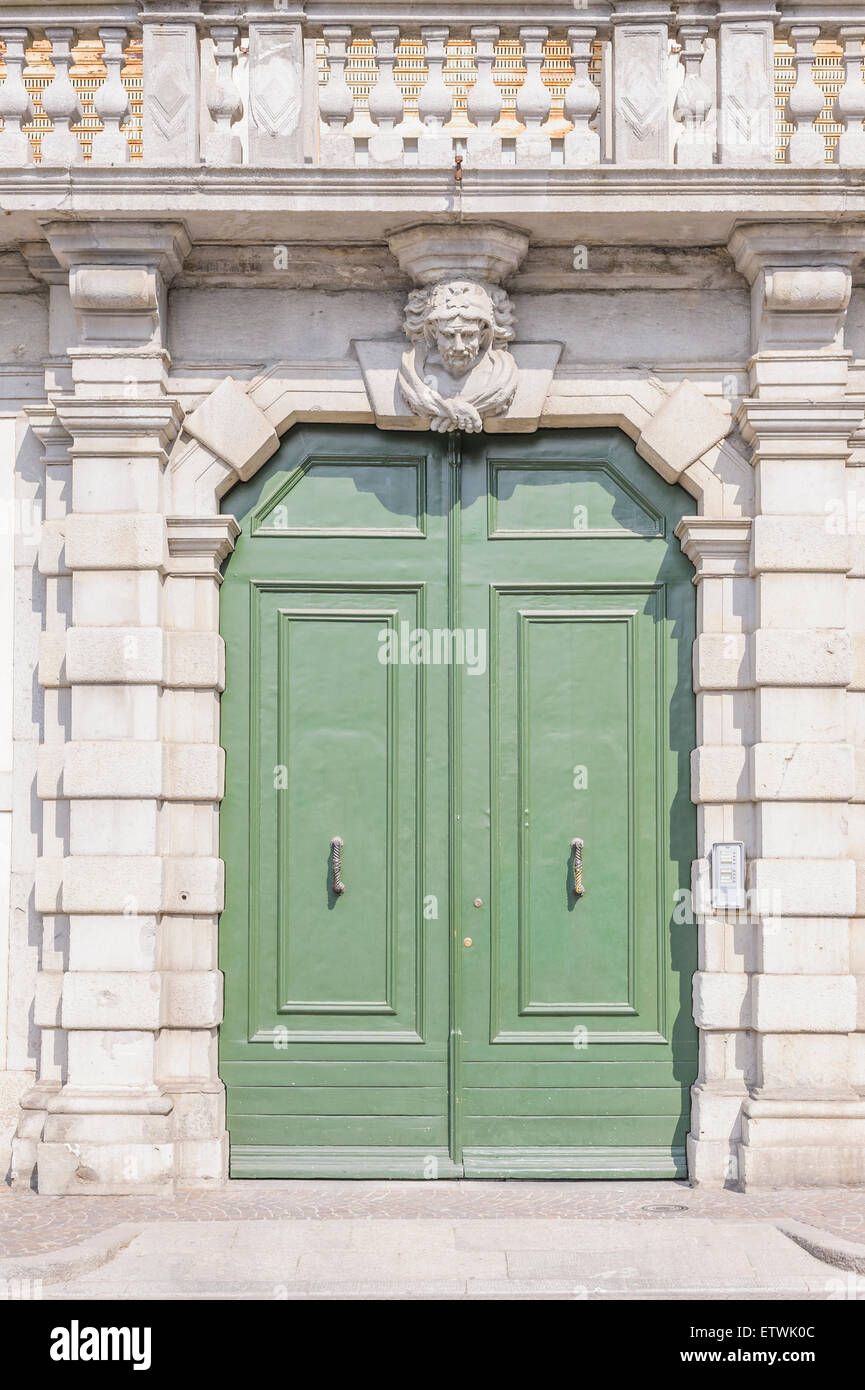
(456,658)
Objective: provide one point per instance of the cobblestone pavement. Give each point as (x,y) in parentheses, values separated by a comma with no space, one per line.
(30,1224)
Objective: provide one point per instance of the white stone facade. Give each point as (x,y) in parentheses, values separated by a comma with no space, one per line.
(163,326)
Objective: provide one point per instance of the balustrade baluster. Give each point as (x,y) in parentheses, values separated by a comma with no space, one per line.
(224,103)
(484,102)
(806,100)
(60,103)
(581,103)
(533,103)
(16,107)
(434,147)
(111,102)
(386,102)
(850,101)
(695,145)
(336,102)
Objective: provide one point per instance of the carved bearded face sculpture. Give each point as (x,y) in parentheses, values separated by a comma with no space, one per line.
(458,369)
(460,323)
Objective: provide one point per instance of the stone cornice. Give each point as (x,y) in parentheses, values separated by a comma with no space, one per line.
(780,421)
(157,246)
(776,246)
(120,420)
(606,205)
(53,437)
(716,547)
(198,545)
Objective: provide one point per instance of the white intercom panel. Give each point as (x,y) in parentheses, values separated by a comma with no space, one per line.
(728,874)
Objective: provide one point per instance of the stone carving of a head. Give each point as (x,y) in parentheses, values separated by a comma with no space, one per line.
(459,321)
(458,369)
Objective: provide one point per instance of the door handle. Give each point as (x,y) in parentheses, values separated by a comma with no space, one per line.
(577,847)
(336,861)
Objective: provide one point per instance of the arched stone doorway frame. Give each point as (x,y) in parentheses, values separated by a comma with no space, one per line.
(238,427)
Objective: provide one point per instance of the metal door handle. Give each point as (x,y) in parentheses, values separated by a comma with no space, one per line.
(336,850)
(577,847)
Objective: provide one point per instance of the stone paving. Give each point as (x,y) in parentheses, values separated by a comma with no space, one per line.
(30,1224)
(507,1258)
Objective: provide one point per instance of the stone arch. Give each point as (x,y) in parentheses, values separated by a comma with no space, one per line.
(682,434)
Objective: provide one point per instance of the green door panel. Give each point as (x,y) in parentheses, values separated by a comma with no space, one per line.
(345,996)
(346,967)
(584,732)
(457,657)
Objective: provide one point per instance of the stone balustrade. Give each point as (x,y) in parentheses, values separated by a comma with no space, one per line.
(604,82)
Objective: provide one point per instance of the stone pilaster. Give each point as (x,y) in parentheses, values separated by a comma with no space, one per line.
(139,998)
(718,549)
(803,1122)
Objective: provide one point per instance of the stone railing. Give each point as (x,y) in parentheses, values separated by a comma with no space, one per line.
(622,82)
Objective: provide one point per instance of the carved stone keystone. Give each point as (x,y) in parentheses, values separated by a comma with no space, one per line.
(459,371)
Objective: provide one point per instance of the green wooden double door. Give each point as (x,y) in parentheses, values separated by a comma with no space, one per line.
(448,660)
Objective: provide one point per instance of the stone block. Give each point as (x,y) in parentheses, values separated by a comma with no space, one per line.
(804,1061)
(716,1113)
(101,655)
(111,1000)
(721,1001)
(804,887)
(117,1059)
(117,598)
(230,424)
(113,768)
(804,945)
(46,1008)
(812,830)
(721,661)
(113,884)
(193,885)
(191,999)
(111,826)
(720,774)
(49,878)
(112,942)
(811,658)
(193,771)
(802,772)
(791,714)
(796,601)
(115,541)
(195,659)
(686,424)
(52,659)
(797,543)
(52,558)
(105,1169)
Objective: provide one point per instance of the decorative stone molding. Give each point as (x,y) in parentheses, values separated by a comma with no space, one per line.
(275,93)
